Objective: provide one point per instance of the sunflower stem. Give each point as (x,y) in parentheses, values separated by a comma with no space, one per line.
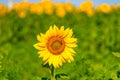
(52,73)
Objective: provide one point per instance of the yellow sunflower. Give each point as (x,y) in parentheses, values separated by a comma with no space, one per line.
(55,47)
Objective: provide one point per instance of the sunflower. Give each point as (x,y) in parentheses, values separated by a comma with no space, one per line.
(55,46)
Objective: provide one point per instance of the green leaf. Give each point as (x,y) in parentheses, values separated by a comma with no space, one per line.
(62,76)
(117,54)
(39,78)
(44,78)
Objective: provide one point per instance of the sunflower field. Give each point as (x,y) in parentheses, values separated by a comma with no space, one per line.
(96,28)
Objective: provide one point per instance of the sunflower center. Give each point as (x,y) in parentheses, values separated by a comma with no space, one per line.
(56,45)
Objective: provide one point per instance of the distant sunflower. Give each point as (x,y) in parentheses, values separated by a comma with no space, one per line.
(55,47)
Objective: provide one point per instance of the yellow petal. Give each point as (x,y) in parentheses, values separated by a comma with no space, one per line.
(62,59)
(62,28)
(51,32)
(70,33)
(56,28)
(41,55)
(55,61)
(50,60)
(40,46)
(70,40)
(64,55)
(71,45)
(38,38)
(70,50)
(41,37)
(66,32)
(70,56)
(45,62)
(61,31)
(67,55)
(44,54)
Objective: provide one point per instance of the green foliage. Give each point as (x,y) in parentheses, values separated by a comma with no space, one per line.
(98,36)
(116,54)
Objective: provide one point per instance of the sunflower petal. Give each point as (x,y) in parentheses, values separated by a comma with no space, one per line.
(55,61)
(51,32)
(71,45)
(70,56)
(66,32)
(46,55)
(51,59)
(56,28)
(61,31)
(62,59)
(66,57)
(70,40)
(70,50)
(70,33)
(39,46)
(62,28)
(38,38)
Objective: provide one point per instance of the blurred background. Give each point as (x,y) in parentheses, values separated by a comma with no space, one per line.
(95,23)
(75,2)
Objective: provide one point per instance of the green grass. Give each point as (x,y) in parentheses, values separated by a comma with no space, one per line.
(98,36)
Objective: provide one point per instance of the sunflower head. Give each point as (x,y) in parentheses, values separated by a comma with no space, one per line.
(55,46)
